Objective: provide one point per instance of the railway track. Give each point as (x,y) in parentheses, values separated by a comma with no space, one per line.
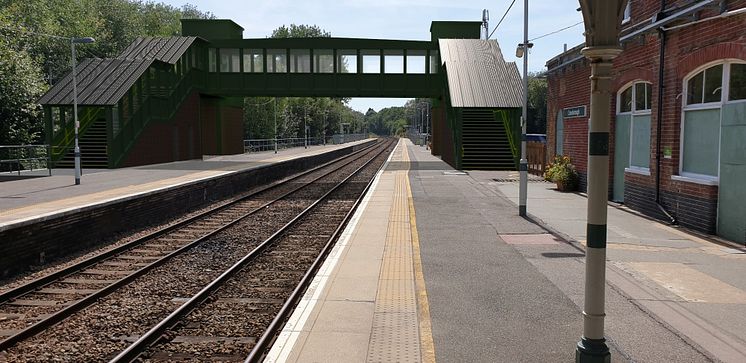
(34,307)
(239,313)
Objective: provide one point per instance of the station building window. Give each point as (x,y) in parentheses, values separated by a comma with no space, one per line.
(393,61)
(633,120)
(300,61)
(229,60)
(434,61)
(347,61)
(323,61)
(277,61)
(416,60)
(253,61)
(371,61)
(212,56)
(713,93)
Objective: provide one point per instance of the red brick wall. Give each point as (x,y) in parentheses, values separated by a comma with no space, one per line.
(170,141)
(686,50)
(232,130)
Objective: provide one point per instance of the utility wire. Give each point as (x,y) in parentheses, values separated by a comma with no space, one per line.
(556,31)
(501,19)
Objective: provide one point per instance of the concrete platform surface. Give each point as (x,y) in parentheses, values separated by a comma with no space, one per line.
(486,285)
(29,198)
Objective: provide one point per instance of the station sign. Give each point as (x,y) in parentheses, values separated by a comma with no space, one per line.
(571,112)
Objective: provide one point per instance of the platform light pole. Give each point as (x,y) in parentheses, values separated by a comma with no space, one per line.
(274,110)
(74,41)
(602,19)
(522,51)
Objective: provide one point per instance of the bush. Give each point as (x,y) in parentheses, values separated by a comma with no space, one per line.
(562,172)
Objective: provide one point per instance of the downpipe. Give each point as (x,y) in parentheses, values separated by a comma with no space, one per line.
(659,126)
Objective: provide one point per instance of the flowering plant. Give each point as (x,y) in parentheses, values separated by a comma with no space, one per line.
(562,172)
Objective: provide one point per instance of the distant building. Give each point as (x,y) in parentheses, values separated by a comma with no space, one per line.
(678,129)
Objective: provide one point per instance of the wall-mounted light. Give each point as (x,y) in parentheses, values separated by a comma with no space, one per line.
(520,49)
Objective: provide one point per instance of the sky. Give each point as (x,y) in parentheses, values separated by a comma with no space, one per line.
(407,19)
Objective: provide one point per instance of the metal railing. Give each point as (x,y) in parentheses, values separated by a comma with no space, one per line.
(418,138)
(343,138)
(17,158)
(255,145)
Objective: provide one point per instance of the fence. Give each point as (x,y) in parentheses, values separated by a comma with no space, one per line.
(418,138)
(536,153)
(254,145)
(16,158)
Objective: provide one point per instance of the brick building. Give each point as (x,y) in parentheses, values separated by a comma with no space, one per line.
(678,115)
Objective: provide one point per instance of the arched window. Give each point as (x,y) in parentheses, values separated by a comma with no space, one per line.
(708,93)
(633,119)
(631,134)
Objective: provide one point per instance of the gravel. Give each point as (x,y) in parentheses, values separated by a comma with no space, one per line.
(100,331)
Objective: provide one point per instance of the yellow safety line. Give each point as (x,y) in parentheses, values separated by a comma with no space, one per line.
(426,332)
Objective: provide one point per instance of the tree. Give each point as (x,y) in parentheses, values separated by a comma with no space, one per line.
(21,84)
(300,31)
(537,103)
(35,47)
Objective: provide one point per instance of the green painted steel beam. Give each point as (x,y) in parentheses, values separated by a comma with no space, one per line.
(324,85)
(323,43)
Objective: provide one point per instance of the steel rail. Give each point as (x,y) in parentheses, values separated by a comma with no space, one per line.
(62,314)
(155,333)
(270,334)
(47,279)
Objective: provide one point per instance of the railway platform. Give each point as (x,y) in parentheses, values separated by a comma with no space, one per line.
(436,265)
(30,199)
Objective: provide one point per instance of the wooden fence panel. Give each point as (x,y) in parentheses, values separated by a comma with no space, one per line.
(536,153)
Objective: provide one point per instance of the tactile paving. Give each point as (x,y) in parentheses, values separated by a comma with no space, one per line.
(395,335)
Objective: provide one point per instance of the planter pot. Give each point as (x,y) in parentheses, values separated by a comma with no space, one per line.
(564,186)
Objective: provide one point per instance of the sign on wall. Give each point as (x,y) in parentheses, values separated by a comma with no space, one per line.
(571,112)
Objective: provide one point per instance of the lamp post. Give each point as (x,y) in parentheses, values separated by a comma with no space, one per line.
(522,51)
(602,22)
(305,127)
(74,41)
(274,110)
(323,128)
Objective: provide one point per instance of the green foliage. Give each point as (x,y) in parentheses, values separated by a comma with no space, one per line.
(300,31)
(562,171)
(20,86)
(537,103)
(36,43)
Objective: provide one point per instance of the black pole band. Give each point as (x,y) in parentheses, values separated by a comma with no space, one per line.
(596,235)
(523,166)
(598,144)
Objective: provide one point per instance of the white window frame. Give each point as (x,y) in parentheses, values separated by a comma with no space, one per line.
(724,95)
(627,12)
(634,112)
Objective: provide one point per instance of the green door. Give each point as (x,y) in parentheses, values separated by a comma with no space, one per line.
(560,135)
(621,154)
(732,193)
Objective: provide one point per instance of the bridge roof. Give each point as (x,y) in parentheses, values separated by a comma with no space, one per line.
(102,82)
(478,75)
(168,49)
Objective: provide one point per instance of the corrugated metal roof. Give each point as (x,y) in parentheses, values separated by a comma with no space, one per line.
(103,82)
(168,49)
(478,75)
(100,82)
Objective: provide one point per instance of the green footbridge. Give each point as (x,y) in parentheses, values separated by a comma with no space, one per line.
(181,97)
